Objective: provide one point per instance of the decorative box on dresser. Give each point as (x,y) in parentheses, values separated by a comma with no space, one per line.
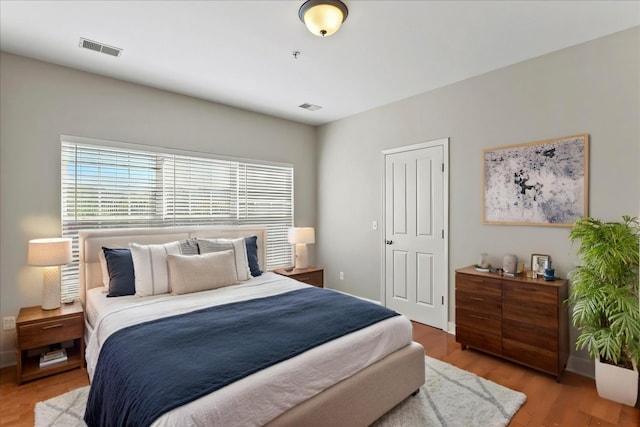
(37,329)
(309,275)
(517,318)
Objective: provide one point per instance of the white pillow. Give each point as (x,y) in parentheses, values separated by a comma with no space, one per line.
(150,267)
(201,272)
(105,271)
(239,252)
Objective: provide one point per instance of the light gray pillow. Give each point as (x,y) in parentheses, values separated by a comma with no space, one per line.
(201,272)
(239,252)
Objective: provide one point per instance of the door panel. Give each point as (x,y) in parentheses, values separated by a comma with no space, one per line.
(424,168)
(400,275)
(425,279)
(399,198)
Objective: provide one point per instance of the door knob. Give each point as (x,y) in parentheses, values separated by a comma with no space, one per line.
(389,242)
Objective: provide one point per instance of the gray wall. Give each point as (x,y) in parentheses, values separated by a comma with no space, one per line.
(40,101)
(591,88)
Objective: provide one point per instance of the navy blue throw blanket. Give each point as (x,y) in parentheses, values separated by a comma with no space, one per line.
(146,370)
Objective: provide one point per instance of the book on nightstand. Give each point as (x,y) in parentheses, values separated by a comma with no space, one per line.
(53,357)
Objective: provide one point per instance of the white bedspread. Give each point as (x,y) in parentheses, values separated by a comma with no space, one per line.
(261,397)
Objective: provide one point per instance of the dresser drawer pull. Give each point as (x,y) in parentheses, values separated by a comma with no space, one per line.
(59,325)
(477,317)
(476,298)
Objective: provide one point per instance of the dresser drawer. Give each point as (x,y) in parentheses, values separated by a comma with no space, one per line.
(531,334)
(479,339)
(50,332)
(477,284)
(535,357)
(479,321)
(526,294)
(539,315)
(480,303)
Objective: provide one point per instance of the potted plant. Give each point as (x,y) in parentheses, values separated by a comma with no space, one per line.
(604,297)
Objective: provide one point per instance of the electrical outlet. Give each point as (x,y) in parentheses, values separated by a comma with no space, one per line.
(8,322)
(342,275)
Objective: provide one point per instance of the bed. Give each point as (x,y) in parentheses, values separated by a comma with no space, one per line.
(348,381)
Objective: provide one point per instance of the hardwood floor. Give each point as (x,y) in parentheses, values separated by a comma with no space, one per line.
(572,402)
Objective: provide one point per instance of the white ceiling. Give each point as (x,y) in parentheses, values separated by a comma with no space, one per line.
(240,52)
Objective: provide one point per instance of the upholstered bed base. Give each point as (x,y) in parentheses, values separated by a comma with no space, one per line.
(356,401)
(364,397)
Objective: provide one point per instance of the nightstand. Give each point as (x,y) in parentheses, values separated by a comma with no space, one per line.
(37,329)
(310,275)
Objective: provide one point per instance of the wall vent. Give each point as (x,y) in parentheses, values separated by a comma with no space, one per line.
(310,107)
(100,47)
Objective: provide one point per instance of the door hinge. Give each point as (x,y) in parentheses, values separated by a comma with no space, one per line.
(443,233)
(443,300)
(443,167)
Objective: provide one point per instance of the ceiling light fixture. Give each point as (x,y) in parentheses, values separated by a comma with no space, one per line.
(323,17)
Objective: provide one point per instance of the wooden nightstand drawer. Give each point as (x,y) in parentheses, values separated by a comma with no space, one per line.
(314,278)
(55,331)
(310,275)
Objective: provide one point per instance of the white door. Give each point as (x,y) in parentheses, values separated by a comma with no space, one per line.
(415,219)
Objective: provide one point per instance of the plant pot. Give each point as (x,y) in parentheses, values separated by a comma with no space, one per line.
(617,384)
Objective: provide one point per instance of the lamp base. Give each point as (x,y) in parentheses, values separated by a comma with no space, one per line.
(51,288)
(302,256)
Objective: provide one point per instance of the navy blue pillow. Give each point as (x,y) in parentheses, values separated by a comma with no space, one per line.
(122,280)
(251,243)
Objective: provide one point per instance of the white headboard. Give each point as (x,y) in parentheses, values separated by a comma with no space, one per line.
(92,241)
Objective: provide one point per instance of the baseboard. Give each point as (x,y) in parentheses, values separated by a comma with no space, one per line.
(7,358)
(581,366)
(451,328)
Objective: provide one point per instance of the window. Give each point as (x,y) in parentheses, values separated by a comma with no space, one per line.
(118,185)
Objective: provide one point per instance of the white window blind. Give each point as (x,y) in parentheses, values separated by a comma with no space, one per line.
(107,186)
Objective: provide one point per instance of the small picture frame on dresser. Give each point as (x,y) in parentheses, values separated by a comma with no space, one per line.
(538,262)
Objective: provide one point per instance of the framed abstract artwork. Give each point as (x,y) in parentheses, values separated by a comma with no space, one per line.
(537,183)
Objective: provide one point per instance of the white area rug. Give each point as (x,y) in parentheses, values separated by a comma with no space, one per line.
(450,397)
(454,397)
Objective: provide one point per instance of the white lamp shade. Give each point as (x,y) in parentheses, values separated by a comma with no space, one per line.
(299,235)
(49,252)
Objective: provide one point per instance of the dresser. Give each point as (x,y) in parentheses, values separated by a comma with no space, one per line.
(517,318)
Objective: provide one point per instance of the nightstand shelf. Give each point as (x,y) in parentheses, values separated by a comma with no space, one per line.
(310,275)
(38,329)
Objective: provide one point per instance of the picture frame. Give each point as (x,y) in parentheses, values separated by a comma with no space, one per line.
(537,183)
(538,260)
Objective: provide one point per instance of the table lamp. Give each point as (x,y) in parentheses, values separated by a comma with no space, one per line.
(51,254)
(300,236)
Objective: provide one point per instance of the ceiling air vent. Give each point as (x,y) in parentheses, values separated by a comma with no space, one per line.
(100,47)
(310,107)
